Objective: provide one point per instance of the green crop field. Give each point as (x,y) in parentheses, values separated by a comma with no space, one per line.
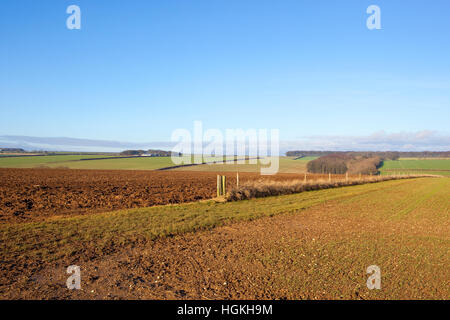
(37,161)
(410,165)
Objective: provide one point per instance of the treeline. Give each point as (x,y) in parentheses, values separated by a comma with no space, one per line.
(301,154)
(150,153)
(385,155)
(340,163)
(12,150)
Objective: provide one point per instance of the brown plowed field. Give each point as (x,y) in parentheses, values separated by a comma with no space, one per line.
(36,194)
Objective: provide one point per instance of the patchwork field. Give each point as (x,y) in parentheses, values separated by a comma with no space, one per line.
(312,245)
(286,164)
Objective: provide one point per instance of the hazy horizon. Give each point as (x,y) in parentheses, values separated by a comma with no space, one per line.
(381,141)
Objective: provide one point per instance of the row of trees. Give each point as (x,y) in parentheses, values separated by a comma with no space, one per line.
(301,154)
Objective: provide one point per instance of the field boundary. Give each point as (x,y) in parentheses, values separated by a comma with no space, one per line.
(261,189)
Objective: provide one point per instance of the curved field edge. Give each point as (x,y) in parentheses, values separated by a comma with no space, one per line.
(62,237)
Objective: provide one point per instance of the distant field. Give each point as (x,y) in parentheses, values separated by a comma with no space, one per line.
(36,161)
(75,162)
(286,165)
(138,163)
(410,165)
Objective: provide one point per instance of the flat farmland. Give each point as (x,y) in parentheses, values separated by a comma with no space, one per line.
(30,194)
(312,245)
(133,163)
(96,162)
(286,165)
(100,162)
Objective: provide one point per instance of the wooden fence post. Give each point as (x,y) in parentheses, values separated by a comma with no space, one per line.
(223,185)
(219,186)
(346,176)
(237,179)
(304,179)
(329,177)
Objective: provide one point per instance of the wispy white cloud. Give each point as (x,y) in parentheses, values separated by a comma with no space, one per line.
(378,141)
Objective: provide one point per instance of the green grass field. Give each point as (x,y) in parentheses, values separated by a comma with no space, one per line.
(410,165)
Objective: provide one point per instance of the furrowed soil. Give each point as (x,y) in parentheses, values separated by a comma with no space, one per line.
(37,194)
(313,245)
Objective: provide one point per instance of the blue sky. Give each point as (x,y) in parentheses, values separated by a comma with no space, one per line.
(137,70)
